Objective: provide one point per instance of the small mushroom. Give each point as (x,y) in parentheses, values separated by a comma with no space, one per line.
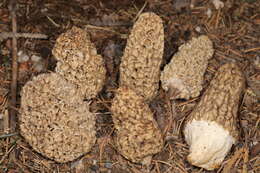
(140,65)
(182,78)
(54,120)
(212,129)
(138,136)
(79,63)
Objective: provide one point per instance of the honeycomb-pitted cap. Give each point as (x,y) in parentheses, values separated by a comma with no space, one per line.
(78,61)
(212,127)
(137,134)
(54,120)
(140,65)
(183,76)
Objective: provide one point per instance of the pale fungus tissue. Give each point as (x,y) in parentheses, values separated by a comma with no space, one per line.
(54,120)
(140,64)
(138,136)
(212,128)
(78,61)
(182,78)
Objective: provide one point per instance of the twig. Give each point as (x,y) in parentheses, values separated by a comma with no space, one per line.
(52,21)
(7,153)
(6,35)
(140,11)
(246,155)
(233,160)
(8,135)
(12,112)
(255,150)
(105,29)
(252,49)
(14,35)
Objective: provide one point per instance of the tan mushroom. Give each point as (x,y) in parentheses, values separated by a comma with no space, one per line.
(137,134)
(140,65)
(78,61)
(212,129)
(54,120)
(182,78)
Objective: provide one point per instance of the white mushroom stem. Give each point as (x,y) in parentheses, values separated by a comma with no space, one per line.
(209,143)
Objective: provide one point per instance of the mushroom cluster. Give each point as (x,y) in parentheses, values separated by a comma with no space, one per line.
(55,120)
(137,134)
(182,78)
(211,129)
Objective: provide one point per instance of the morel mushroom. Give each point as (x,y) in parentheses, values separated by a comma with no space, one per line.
(211,129)
(140,65)
(79,62)
(137,134)
(54,120)
(182,78)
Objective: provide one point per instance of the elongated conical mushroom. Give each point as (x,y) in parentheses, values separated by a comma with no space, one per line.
(182,78)
(137,134)
(212,129)
(54,120)
(78,61)
(140,65)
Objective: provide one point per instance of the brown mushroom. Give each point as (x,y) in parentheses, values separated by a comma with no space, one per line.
(140,65)
(54,120)
(183,76)
(137,134)
(212,129)
(78,61)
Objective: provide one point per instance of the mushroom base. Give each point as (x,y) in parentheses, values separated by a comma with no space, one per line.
(209,143)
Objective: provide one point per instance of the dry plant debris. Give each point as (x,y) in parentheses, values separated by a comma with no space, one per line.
(140,64)
(183,76)
(212,129)
(78,61)
(138,136)
(54,120)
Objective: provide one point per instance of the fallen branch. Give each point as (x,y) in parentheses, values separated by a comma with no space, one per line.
(12,113)
(6,35)
(8,135)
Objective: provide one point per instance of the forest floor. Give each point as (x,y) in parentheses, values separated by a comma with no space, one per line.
(234,30)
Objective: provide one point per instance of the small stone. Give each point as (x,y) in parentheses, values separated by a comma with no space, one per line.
(36,58)
(209,12)
(198,29)
(22,57)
